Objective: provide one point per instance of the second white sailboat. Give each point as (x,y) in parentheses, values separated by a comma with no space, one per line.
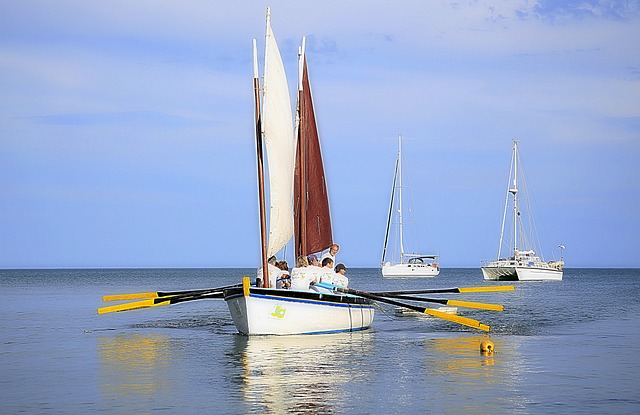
(403,264)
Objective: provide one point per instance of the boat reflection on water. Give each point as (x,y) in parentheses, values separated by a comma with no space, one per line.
(300,374)
(134,367)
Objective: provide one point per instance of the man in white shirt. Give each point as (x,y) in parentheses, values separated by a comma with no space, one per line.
(327,271)
(331,253)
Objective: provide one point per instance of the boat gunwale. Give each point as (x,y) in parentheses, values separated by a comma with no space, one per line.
(336,300)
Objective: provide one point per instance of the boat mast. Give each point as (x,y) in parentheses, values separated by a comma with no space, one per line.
(302,151)
(260,160)
(514,192)
(400,236)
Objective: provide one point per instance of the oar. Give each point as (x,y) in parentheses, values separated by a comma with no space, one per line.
(456,290)
(158,294)
(155,302)
(458,303)
(465,321)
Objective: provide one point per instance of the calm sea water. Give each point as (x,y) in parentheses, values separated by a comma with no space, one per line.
(561,347)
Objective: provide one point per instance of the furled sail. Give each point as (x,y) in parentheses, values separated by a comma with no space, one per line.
(277,127)
(311,204)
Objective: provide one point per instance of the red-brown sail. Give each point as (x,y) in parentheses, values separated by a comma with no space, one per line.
(311,204)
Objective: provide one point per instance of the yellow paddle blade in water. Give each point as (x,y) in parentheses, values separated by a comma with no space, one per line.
(134,296)
(465,321)
(132,306)
(473,304)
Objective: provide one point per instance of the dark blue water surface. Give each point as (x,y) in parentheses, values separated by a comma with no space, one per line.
(561,347)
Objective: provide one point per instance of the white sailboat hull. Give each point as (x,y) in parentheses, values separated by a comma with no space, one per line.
(284,312)
(523,264)
(409,270)
(521,273)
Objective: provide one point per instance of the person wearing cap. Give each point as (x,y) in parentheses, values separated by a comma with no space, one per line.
(339,278)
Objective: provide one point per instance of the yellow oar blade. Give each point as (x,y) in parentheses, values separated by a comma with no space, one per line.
(134,296)
(465,321)
(487,289)
(472,304)
(131,306)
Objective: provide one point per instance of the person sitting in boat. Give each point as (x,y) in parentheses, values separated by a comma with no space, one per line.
(284,282)
(273,270)
(327,271)
(326,276)
(314,270)
(331,253)
(339,278)
(300,279)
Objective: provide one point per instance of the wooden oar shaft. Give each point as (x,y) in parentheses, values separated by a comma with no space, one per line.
(435,313)
(457,303)
(493,288)
(487,289)
(154,302)
(133,296)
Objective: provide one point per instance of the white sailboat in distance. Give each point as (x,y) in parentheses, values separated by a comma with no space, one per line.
(522,263)
(403,264)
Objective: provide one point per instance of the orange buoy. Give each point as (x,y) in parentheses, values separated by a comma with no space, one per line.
(487,347)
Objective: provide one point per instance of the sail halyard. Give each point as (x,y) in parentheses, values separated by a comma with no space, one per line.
(312,215)
(277,129)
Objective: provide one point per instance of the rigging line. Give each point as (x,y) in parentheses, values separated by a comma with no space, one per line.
(412,215)
(506,205)
(386,236)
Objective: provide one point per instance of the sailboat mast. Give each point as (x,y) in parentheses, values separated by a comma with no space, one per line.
(400,235)
(260,163)
(302,152)
(514,192)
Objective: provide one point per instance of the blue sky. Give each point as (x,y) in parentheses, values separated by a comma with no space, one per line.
(126,128)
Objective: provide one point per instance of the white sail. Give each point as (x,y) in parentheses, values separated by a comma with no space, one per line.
(277,127)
